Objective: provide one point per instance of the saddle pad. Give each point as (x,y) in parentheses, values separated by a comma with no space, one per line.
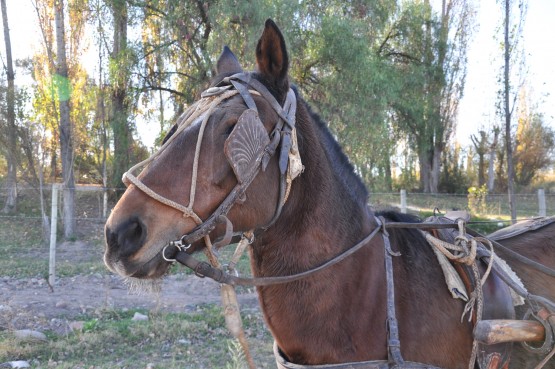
(521,227)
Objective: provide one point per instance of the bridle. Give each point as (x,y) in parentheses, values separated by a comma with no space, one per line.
(248,150)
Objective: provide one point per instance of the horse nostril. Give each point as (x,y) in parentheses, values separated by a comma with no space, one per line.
(128,237)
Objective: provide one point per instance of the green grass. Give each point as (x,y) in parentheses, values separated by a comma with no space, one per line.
(111,339)
(24,254)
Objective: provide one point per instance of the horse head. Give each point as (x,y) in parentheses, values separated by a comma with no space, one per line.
(220,165)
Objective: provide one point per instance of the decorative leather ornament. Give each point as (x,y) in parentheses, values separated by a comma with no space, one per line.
(245,145)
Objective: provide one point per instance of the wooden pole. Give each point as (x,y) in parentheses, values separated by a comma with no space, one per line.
(541,203)
(491,332)
(404,201)
(53,229)
(105,204)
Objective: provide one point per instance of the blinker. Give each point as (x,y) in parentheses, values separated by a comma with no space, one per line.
(245,145)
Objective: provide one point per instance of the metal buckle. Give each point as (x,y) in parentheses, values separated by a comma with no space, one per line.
(180,247)
(230,268)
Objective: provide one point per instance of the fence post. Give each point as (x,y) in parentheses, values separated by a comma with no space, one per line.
(541,203)
(53,230)
(404,201)
(105,204)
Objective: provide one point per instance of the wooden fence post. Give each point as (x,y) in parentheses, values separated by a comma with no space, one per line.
(53,230)
(541,203)
(404,201)
(105,203)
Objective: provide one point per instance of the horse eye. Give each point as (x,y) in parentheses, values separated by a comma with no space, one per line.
(229,129)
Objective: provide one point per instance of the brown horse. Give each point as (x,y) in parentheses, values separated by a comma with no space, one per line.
(536,244)
(337,315)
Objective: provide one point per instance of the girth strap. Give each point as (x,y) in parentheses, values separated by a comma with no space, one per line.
(283,363)
(393,341)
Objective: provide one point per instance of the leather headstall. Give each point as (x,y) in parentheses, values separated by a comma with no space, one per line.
(248,150)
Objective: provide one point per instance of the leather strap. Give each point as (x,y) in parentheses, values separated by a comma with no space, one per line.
(283,363)
(204,269)
(393,341)
(523,259)
(280,134)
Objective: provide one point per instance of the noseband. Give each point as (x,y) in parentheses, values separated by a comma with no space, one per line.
(248,150)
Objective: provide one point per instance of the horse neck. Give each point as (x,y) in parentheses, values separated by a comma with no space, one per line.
(320,219)
(323,212)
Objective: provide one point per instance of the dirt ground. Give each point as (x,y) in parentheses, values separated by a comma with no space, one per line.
(32,304)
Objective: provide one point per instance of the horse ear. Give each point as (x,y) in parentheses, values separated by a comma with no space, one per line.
(228,63)
(271,54)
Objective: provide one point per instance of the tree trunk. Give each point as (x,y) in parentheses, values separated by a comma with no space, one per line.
(11,152)
(508,140)
(437,83)
(388,177)
(101,116)
(425,163)
(120,127)
(481,150)
(66,137)
(492,150)
(436,166)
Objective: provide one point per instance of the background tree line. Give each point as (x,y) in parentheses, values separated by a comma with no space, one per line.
(387,76)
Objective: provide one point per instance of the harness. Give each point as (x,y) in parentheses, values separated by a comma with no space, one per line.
(248,150)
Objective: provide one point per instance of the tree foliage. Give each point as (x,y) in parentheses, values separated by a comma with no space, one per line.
(386,76)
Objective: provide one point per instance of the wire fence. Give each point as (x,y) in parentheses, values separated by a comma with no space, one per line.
(497,205)
(26,246)
(25,235)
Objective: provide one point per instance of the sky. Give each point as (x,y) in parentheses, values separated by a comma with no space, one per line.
(477,108)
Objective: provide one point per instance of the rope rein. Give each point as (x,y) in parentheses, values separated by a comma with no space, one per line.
(204,106)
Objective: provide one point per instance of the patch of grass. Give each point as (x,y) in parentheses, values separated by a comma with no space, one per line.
(20,247)
(112,339)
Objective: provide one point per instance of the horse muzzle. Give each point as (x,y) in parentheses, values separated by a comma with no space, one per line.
(128,254)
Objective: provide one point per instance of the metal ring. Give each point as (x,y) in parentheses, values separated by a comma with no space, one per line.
(547,344)
(164,253)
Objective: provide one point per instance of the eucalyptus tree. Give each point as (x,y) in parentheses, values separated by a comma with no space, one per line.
(429,50)
(66,135)
(60,96)
(511,82)
(11,129)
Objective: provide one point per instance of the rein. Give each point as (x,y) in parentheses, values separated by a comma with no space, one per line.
(203,269)
(395,358)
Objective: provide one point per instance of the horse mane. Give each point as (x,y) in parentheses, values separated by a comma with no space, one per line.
(340,163)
